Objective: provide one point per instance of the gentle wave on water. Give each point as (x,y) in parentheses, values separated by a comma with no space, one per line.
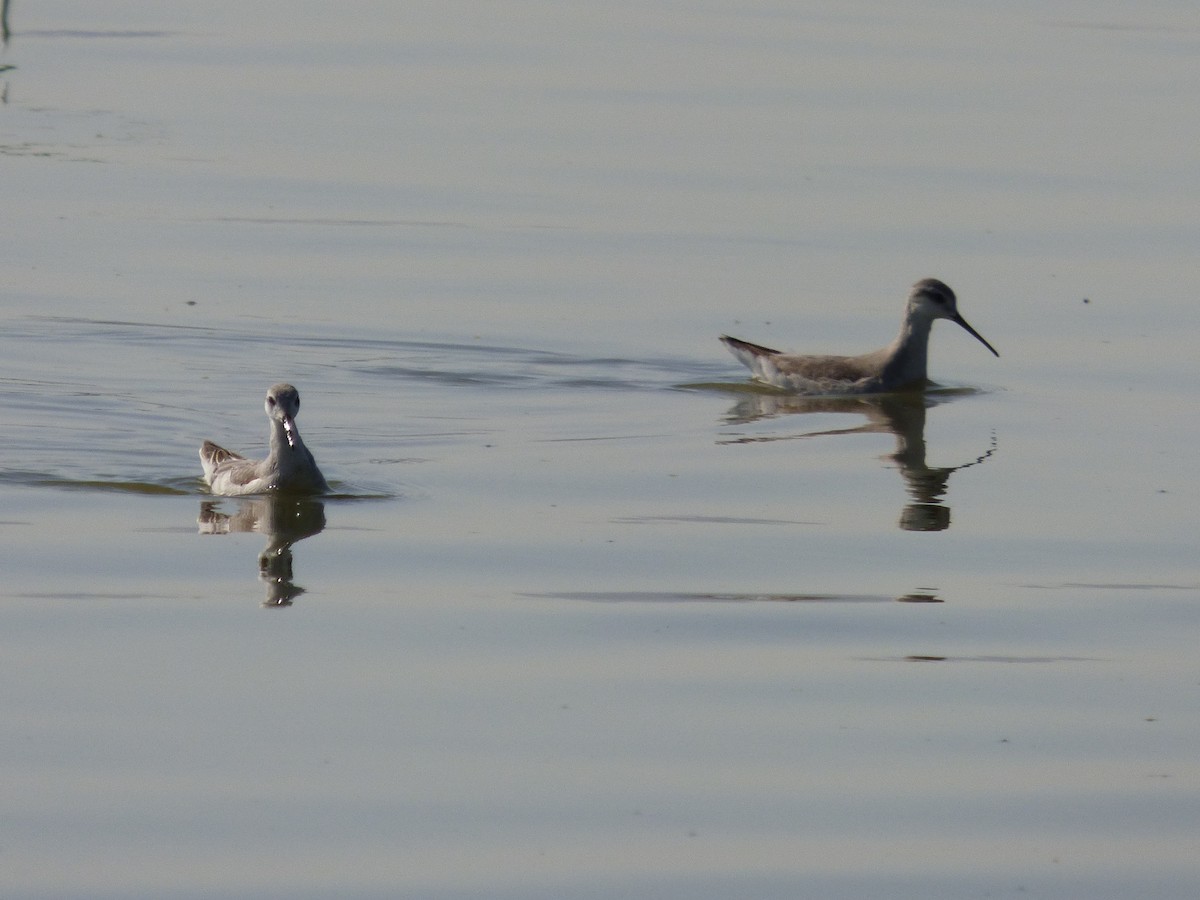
(132,432)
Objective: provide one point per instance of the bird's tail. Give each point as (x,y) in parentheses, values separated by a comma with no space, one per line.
(212,455)
(748,354)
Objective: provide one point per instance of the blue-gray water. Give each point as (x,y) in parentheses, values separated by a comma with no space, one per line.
(587,616)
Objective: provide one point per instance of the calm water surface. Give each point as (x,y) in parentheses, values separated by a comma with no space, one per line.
(587,615)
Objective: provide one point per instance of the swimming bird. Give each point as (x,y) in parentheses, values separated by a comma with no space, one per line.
(898,366)
(288,468)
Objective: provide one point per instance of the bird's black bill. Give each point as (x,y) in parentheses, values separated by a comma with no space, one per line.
(979,337)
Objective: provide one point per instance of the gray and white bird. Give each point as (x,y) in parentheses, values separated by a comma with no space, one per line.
(900,365)
(288,468)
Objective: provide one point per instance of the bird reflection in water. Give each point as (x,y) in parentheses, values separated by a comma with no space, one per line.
(901,414)
(284,520)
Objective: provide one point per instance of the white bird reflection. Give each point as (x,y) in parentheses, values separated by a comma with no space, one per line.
(284,521)
(902,415)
